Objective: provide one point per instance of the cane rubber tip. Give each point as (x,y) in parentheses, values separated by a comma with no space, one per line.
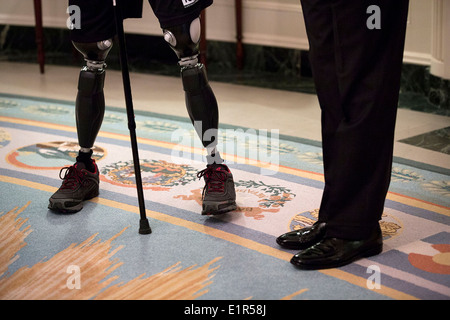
(144,227)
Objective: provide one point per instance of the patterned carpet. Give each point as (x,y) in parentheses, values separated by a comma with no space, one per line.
(98,253)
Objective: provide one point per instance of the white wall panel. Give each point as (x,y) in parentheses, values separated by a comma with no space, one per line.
(276,23)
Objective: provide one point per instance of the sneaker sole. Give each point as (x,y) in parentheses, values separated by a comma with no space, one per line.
(60,204)
(215,208)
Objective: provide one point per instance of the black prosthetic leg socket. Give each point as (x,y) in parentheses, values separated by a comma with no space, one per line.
(201,103)
(90,106)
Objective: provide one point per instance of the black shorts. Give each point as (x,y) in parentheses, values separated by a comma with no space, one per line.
(97,16)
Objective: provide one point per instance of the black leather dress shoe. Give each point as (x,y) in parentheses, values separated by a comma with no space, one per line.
(303,238)
(333,252)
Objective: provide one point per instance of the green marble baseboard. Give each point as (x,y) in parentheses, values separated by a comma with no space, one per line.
(268,67)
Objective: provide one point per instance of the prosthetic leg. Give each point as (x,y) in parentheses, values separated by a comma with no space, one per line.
(201,102)
(218,194)
(81,181)
(90,101)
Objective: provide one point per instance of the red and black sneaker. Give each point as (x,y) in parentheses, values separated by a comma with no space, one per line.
(218,195)
(78,185)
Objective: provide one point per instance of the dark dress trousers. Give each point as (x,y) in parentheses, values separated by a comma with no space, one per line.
(356,52)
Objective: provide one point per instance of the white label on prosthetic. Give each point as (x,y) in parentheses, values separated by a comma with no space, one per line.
(188,3)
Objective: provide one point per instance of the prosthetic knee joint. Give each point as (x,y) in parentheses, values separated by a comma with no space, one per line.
(200,100)
(90,102)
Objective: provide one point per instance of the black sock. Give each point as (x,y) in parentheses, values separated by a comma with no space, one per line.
(86,159)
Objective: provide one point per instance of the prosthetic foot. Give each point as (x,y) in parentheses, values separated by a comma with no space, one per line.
(218,195)
(78,185)
(81,181)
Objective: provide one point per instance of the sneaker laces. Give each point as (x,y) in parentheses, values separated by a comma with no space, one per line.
(72,177)
(215,177)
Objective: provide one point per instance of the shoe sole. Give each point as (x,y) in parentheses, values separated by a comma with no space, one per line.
(364,254)
(297,246)
(60,204)
(215,208)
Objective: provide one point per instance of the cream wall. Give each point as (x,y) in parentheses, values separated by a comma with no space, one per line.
(267,22)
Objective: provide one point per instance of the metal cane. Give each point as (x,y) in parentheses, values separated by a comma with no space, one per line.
(144,226)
